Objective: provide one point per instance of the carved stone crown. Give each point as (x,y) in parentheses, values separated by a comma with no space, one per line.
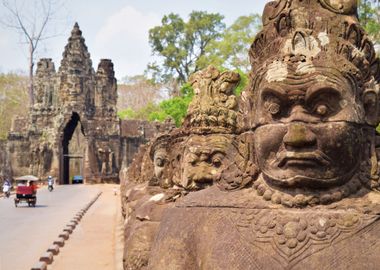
(302,36)
(315,32)
(214,106)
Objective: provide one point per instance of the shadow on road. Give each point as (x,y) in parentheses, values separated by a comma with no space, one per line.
(37,206)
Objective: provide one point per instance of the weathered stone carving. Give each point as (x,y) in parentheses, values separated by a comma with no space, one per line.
(183,160)
(300,191)
(105,159)
(214,105)
(203,160)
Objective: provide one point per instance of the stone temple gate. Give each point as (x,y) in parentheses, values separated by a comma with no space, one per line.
(73,128)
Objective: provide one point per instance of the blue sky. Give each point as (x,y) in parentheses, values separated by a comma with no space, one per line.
(115,29)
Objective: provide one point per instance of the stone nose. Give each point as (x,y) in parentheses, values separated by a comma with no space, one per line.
(299,136)
(299,113)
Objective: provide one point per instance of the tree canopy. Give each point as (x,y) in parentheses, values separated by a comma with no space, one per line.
(13,100)
(180,44)
(231,50)
(175,108)
(186,47)
(369,16)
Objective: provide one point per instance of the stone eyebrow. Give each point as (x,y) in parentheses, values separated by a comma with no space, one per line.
(276,90)
(217,151)
(315,90)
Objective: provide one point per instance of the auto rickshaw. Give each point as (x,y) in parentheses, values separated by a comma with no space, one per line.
(26,190)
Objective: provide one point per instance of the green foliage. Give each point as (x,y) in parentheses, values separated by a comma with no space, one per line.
(141,114)
(231,50)
(369,16)
(186,47)
(13,100)
(181,44)
(175,108)
(243,82)
(187,91)
(127,114)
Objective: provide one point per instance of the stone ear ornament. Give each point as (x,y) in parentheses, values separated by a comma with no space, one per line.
(370,98)
(346,7)
(273,9)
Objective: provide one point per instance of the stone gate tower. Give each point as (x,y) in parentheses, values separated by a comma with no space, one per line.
(73,128)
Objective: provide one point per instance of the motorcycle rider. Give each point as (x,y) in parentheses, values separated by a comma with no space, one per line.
(6,188)
(50,183)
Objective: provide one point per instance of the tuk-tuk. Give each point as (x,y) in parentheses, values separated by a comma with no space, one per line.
(26,190)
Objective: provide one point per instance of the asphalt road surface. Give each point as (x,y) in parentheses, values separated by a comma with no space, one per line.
(26,232)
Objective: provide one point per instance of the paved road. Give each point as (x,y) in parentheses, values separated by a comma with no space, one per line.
(95,245)
(26,232)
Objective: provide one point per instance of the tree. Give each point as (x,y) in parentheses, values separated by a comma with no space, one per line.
(181,44)
(369,16)
(175,107)
(231,50)
(13,95)
(31,22)
(136,92)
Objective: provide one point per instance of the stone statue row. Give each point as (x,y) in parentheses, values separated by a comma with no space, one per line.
(283,177)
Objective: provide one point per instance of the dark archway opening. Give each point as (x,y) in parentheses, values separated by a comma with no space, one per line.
(66,156)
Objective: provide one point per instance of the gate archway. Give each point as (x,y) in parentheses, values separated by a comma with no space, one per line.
(71,156)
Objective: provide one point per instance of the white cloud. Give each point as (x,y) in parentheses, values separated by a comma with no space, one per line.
(124,39)
(126,22)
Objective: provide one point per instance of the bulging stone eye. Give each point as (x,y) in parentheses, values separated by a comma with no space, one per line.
(217,160)
(322,109)
(160,162)
(272,106)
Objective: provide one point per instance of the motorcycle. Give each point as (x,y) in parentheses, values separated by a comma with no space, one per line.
(50,182)
(6,191)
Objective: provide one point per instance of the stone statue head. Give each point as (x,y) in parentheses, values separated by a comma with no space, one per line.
(159,154)
(314,99)
(203,159)
(212,120)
